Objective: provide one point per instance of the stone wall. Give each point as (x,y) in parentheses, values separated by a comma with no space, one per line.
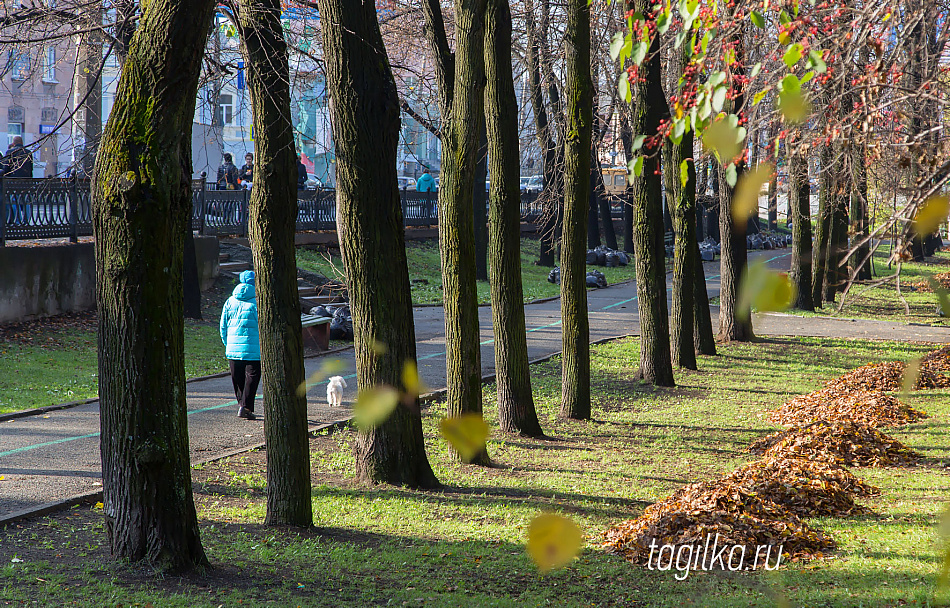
(44,281)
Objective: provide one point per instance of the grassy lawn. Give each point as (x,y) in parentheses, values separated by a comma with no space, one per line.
(464,546)
(53,361)
(882,302)
(425,271)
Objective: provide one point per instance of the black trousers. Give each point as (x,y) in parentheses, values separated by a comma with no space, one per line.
(245,376)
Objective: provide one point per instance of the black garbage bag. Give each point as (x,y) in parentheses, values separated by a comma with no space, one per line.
(591,256)
(341,327)
(321,312)
(595,278)
(624,258)
(555,276)
(613,259)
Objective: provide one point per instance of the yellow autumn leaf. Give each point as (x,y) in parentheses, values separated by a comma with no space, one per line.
(932,213)
(943,296)
(1,477)
(98,505)
(331,367)
(379,348)
(553,541)
(723,138)
(412,381)
(466,433)
(911,372)
(374,406)
(745,201)
(764,290)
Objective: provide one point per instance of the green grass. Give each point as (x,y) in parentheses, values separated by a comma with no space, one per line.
(464,546)
(882,302)
(61,366)
(425,271)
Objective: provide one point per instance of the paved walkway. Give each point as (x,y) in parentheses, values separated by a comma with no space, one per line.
(49,458)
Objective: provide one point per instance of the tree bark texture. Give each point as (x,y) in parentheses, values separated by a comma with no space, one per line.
(575,332)
(365,113)
(626,139)
(480,208)
(649,107)
(683,199)
(703,338)
(860,262)
(822,227)
(516,411)
(141,206)
(734,252)
(460,146)
(799,207)
(272,226)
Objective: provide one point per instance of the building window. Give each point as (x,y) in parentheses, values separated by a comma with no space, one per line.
(19,65)
(13,129)
(49,65)
(225,115)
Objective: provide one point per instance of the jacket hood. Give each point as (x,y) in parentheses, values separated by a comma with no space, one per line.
(247,277)
(244,292)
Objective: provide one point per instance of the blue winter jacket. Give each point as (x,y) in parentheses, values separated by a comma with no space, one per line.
(425,183)
(239,331)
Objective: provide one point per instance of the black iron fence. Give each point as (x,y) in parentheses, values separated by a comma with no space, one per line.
(62,208)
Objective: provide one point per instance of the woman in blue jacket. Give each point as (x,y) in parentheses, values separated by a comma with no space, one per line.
(241,339)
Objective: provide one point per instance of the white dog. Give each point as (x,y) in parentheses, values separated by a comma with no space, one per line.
(335,386)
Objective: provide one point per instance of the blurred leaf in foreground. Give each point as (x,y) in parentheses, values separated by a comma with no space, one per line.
(553,541)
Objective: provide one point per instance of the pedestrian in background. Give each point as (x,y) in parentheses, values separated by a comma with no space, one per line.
(425,183)
(247,171)
(241,339)
(227,174)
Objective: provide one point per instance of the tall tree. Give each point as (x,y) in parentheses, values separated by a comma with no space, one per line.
(516,411)
(463,116)
(649,108)
(575,332)
(480,208)
(141,205)
(799,208)
(365,113)
(823,225)
(682,197)
(860,261)
(732,325)
(272,226)
(552,159)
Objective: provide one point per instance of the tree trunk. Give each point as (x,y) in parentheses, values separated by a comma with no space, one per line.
(626,138)
(860,269)
(822,227)
(365,112)
(799,207)
(684,251)
(606,216)
(141,204)
(516,411)
(460,146)
(734,252)
(593,228)
(704,340)
(553,176)
(773,185)
(649,107)
(480,208)
(575,363)
(272,226)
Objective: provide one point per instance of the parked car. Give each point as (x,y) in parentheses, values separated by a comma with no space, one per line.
(406,183)
(532,184)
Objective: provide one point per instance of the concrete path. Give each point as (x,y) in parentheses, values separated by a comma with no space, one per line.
(49,459)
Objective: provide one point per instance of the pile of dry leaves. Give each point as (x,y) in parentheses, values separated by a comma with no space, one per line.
(699,511)
(943,278)
(840,442)
(804,487)
(938,361)
(872,408)
(886,376)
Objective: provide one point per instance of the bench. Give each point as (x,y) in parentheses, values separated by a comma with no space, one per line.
(316,331)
